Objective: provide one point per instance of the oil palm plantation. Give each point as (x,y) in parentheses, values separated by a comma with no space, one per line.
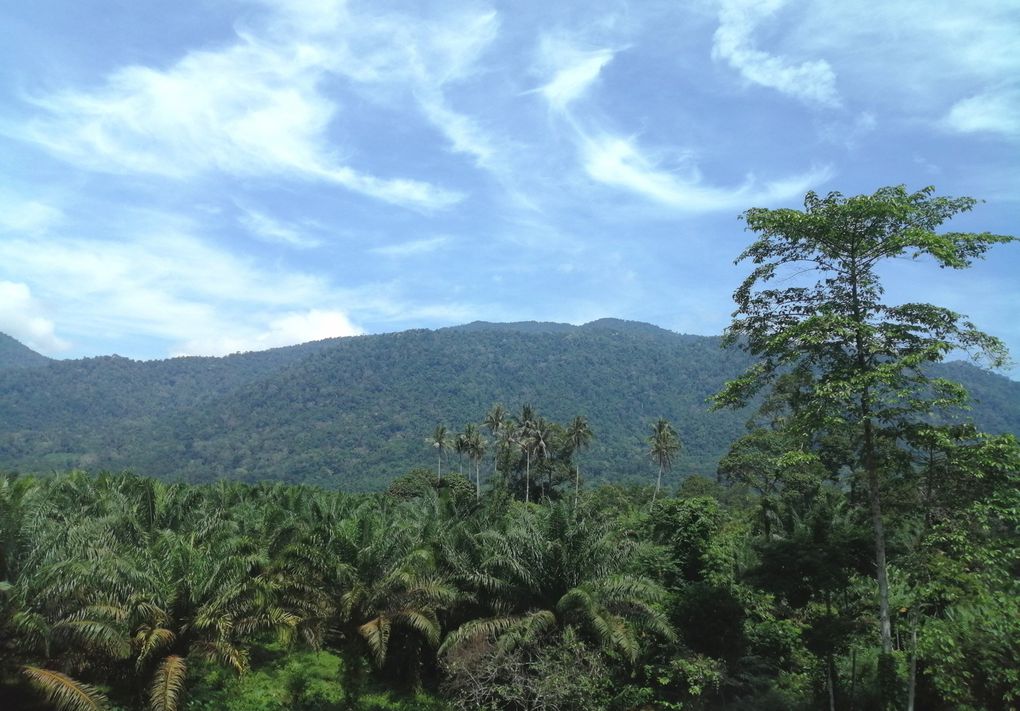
(551,570)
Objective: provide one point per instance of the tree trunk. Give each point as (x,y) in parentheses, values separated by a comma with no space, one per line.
(439,465)
(912,678)
(658,484)
(853,679)
(875,504)
(527,477)
(831,681)
(577,485)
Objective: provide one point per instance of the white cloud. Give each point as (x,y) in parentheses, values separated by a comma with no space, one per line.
(812,82)
(617,161)
(252,109)
(164,284)
(153,279)
(27,216)
(285,330)
(573,70)
(392,54)
(21,316)
(990,112)
(412,248)
(273,231)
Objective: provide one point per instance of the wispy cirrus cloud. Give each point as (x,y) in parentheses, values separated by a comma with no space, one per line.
(618,161)
(19,216)
(614,159)
(573,69)
(811,81)
(412,247)
(267,229)
(388,54)
(253,109)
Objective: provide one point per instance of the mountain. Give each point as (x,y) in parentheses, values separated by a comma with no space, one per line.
(355,412)
(14,354)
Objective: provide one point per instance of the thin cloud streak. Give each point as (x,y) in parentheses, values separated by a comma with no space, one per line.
(267,229)
(615,160)
(813,82)
(412,248)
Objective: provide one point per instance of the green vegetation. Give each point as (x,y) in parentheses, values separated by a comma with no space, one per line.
(134,593)
(354,413)
(856,548)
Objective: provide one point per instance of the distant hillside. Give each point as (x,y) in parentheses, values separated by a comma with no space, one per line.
(355,412)
(14,354)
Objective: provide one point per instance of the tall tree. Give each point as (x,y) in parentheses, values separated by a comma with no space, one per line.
(542,439)
(579,436)
(441,441)
(813,305)
(474,447)
(495,421)
(524,429)
(663,446)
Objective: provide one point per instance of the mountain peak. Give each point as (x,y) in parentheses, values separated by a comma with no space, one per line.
(15,354)
(619,325)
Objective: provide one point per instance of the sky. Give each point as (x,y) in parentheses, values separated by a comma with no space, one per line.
(220,176)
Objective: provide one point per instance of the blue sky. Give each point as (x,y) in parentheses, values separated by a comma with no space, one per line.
(243,175)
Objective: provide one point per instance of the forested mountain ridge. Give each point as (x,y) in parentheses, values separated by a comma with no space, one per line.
(354,412)
(14,354)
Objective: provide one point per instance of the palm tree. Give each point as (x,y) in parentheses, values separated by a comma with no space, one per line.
(543,439)
(474,447)
(579,436)
(523,437)
(495,420)
(441,441)
(664,444)
(390,583)
(460,446)
(551,570)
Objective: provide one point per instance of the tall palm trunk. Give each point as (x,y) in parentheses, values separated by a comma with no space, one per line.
(577,485)
(527,477)
(658,484)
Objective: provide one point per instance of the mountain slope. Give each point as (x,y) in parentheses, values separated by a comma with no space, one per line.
(355,412)
(14,354)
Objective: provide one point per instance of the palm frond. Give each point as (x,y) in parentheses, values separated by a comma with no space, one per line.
(63,692)
(488,628)
(425,622)
(167,684)
(150,640)
(96,635)
(377,633)
(225,653)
